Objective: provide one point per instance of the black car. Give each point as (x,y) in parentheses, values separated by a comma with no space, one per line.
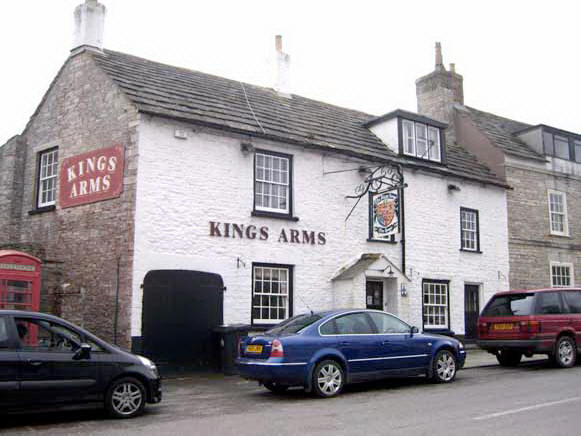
(46,361)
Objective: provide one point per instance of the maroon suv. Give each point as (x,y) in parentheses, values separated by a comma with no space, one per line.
(542,321)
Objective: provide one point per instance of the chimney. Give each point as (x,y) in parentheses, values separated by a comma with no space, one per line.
(282,78)
(89,25)
(440,90)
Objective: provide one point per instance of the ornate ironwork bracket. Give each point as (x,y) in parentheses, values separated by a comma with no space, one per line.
(380,180)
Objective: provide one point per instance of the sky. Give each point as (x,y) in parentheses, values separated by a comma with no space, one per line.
(519,59)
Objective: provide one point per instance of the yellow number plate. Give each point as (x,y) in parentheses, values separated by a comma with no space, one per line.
(506,326)
(254,349)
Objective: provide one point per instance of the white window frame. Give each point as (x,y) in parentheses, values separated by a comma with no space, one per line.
(47,175)
(567,265)
(475,232)
(286,187)
(264,296)
(435,303)
(563,196)
(433,151)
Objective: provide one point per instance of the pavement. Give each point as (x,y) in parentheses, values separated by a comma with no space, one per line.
(485,399)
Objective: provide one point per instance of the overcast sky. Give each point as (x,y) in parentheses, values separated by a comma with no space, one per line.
(519,59)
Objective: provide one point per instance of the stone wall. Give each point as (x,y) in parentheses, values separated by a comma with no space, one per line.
(82,246)
(532,246)
(12,157)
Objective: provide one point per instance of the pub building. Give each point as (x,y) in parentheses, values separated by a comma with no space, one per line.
(163,202)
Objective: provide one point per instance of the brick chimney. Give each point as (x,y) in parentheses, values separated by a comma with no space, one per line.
(440,90)
(89,26)
(282,73)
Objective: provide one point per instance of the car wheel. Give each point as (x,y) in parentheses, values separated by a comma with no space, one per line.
(328,378)
(275,387)
(565,352)
(125,398)
(508,358)
(444,370)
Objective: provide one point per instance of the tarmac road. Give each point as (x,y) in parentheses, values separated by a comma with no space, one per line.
(533,399)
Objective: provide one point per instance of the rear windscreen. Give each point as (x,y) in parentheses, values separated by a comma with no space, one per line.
(510,305)
(293,325)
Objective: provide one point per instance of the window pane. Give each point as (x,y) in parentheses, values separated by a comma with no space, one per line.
(561,147)
(353,324)
(272,181)
(548,143)
(578,151)
(388,324)
(549,303)
(408,140)
(434,144)
(47,178)
(436,309)
(421,141)
(573,299)
(270,290)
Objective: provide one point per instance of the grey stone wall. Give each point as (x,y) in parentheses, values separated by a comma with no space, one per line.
(82,246)
(531,245)
(437,92)
(12,157)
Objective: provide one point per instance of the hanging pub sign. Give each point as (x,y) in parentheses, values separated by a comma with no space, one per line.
(93,176)
(384,216)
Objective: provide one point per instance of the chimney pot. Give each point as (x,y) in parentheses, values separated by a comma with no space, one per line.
(453,67)
(439,61)
(278,43)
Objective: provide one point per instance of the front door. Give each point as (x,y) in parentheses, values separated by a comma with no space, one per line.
(471,310)
(374,295)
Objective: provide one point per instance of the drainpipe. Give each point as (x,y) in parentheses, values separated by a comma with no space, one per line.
(116,319)
(402,218)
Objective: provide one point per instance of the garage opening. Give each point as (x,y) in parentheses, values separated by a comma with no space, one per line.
(180,311)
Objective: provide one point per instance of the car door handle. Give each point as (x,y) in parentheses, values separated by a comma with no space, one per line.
(385,342)
(344,343)
(34,362)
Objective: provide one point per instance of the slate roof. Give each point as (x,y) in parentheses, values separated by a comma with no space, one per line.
(501,131)
(192,96)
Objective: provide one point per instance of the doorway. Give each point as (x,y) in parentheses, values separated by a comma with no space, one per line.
(374,295)
(471,310)
(180,311)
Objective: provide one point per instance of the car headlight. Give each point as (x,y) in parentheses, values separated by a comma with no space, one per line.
(148,363)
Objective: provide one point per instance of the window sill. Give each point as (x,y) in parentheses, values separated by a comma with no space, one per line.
(383,241)
(560,235)
(42,210)
(463,250)
(279,216)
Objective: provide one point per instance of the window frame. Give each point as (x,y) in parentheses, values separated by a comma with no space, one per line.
(568,265)
(476,249)
(435,327)
(403,139)
(271,212)
(290,285)
(565,214)
(39,204)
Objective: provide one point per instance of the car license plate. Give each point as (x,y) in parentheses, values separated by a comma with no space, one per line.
(503,326)
(254,349)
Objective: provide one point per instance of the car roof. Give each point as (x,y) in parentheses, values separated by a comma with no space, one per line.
(533,291)
(31,313)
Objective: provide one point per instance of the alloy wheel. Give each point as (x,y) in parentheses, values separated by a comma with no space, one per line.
(329,379)
(446,366)
(566,352)
(126,398)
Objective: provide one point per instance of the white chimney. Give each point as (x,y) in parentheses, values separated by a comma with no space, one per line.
(282,79)
(89,25)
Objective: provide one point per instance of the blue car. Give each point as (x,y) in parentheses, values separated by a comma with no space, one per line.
(324,351)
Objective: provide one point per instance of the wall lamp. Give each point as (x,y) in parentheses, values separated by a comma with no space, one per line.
(403,291)
(452,187)
(246,148)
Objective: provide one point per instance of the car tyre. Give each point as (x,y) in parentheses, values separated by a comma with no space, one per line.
(125,398)
(328,378)
(565,354)
(444,367)
(275,387)
(508,358)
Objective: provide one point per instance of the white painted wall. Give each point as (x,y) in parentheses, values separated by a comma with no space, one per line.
(184,184)
(388,134)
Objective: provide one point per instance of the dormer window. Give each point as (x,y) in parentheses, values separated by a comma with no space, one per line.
(421,140)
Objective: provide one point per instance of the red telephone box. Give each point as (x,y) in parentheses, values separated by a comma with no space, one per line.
(19,281)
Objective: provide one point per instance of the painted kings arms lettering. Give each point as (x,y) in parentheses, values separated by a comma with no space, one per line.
(93,176)
(249,231)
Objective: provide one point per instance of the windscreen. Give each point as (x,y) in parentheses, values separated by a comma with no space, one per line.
(510,305)
(294,324)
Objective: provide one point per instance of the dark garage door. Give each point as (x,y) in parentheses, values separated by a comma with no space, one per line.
(180,310)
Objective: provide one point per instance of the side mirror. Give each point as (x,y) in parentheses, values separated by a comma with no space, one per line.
(414,330)
(83,353)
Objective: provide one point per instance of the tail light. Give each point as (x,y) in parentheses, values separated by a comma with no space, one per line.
(276,350)
(530,326)
(482,328)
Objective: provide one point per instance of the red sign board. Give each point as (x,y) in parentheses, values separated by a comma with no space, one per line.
(93,176)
